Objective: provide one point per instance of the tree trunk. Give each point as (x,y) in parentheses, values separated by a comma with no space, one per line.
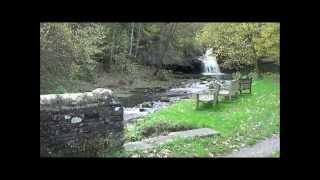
(257,34)
(131,39)
(166,42)
(255,56)
(256,64)
(257,68)
(112,47)
(140,26)
(106,64)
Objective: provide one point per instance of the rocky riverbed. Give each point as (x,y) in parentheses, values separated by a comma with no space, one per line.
(139,102)
(144,101)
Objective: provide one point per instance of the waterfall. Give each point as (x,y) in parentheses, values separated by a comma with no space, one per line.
(210,65)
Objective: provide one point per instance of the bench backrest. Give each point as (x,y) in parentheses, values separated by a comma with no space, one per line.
(231,85)
(211,93)
(234,87)
(245,83)
(214,89)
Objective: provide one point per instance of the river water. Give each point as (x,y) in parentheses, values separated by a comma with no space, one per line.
(155,99)
(143,101)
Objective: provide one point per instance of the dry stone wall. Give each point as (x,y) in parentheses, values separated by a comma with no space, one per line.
(80,124)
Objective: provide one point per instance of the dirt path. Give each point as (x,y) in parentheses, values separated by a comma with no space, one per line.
(264,148)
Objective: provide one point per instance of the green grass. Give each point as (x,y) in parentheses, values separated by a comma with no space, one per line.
(241,122)
(276,154)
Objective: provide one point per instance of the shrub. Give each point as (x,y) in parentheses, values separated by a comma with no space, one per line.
(145,130)
(163,75)
(236,75)
(253,75)
(60,90)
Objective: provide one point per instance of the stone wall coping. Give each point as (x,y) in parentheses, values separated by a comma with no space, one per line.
(73,99)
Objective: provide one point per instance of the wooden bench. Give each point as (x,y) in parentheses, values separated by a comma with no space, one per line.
(208,96)
(245,84)
(230,89)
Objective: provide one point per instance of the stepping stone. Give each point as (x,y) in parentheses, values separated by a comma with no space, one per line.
(160,140)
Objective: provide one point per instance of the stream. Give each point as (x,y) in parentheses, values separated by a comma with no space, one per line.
(140,102)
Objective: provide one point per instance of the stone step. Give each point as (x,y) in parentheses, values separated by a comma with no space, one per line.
(202,132)
(150,143)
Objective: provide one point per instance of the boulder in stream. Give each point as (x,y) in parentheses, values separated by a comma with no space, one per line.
(164,99)
(147,104)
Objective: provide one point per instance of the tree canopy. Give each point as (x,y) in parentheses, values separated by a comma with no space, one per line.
(77,50)
(239,44)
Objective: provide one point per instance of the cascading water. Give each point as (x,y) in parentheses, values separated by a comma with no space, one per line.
(210,65)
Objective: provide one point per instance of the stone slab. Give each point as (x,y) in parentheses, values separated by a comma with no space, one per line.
(202,132)
(160,140)
(138,145)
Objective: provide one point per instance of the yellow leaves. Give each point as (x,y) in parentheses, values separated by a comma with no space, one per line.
(233,41)
(265,34)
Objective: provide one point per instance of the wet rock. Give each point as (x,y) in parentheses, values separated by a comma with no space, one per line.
(147,105)
(159,89)
(130,114)
(164,99)
(203,78)
(142,110)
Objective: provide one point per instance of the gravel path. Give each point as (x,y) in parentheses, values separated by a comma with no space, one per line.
(264,148)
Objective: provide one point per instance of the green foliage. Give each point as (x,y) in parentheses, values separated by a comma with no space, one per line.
(186,40)
(67,48)
(146,130)
(236,75)
(60,90)
(276,154)
(239,44)
(73,51)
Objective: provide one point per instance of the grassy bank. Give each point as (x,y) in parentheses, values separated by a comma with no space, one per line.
(241,122)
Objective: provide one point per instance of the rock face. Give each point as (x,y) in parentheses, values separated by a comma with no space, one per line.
(80,124)
(189,65)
